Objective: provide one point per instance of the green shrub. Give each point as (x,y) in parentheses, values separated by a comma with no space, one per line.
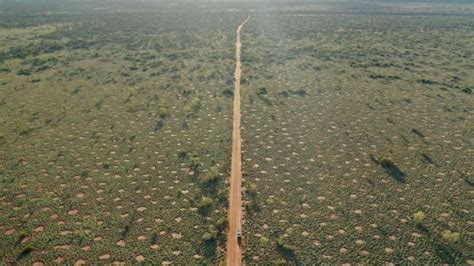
(281,244)
(262,91)
(387,162)
(163,112)
(4,69)
(222,223)
(252,191)
(207,236)
(205,202)
(194,162)
(279,261)
(210,175)
(196,104)
(419,216)
(228,93)
(450,237)
(23,72)
(211,234)
(300,92)
(187,110)
(25,131)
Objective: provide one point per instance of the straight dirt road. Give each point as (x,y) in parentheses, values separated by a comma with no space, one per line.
(234,255)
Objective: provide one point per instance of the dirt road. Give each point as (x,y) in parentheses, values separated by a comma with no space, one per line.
(234,256)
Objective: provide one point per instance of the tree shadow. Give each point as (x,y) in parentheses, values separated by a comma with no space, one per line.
(424,229)
(205,211)
(390,168)
(395,173)
(288,255)
(447,254)
(210,247)
(25,253)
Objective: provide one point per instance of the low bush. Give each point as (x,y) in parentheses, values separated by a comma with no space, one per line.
(205,202)
(210,175)
(450,237)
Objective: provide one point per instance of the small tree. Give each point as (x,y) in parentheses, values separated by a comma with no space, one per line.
(263,241)
(205,202)
(285,247)
(194,163)
(387,162)
(252,190)
(163,112)
(211,234)
(210,175)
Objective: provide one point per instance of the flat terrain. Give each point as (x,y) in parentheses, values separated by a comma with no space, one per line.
(116,124)
(234,256)
(353,121)
(115,133)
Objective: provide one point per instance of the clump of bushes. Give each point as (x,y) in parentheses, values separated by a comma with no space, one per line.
(419,216)
(194,163)
(163,111)
(228,93)
(4,69)
(450,237)
(287,93)
(284,93)
(387,162)
(252,190)
(222,223)
(427,81)
(253,203)
(300,92)
(205,202)
(447,236)
(391,168)
(23,72)
(196,104)
(193,107)
(284,246)
(263,241)
(262,94)
(280,261)
(211,233)
(467,90)
(25,131)
(210,175)
(159,125)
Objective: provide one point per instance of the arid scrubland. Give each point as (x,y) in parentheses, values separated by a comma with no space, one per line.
(116,121)
(115,139)
(352,123)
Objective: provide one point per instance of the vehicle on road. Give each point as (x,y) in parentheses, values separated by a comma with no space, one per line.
(239,236)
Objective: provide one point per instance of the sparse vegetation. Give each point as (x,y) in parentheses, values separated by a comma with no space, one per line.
(340,138)
(115,126)
(108,125)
